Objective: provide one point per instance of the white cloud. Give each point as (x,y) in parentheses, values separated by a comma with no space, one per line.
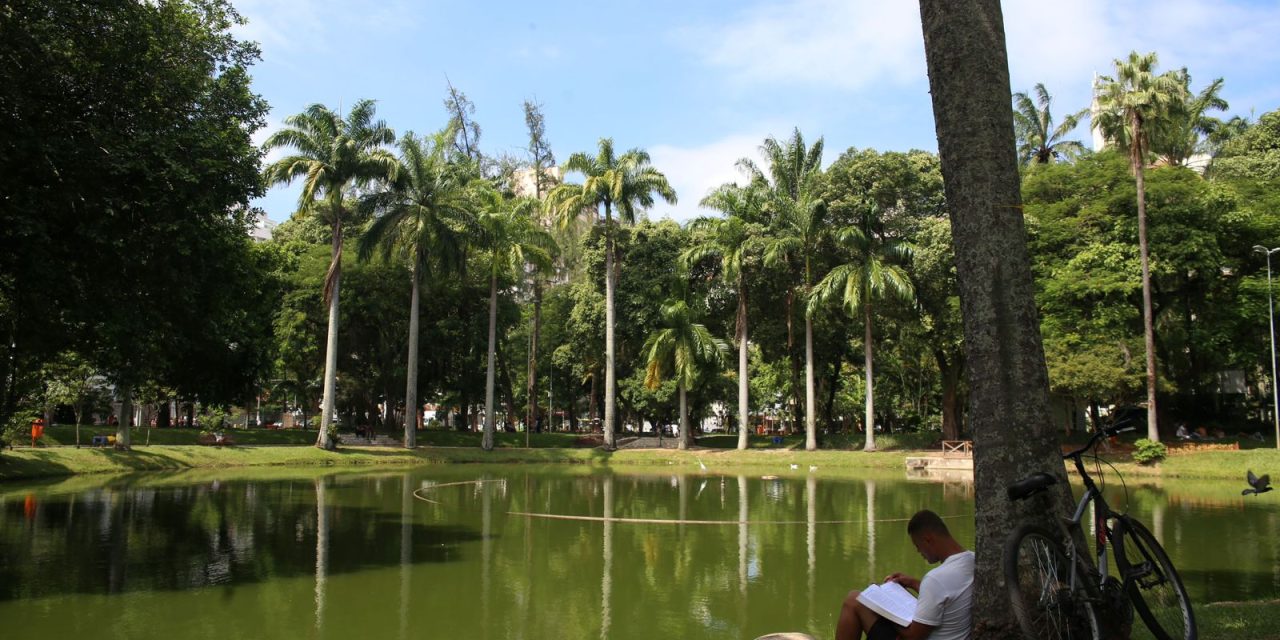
(847,44)
(695,171)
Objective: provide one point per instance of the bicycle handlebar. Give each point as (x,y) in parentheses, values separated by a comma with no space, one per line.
(1105,432)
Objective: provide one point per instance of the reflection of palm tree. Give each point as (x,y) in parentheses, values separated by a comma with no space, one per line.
(626,183)
(733,239)
(424,214)
(681,348)
(870,275)
(332,154)
(513,240)
(1039,142)
(1130,104)
(796,213)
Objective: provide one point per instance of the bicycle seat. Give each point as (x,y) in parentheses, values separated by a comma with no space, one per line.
(1031,485)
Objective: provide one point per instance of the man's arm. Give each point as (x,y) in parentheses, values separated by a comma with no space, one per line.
(916,631)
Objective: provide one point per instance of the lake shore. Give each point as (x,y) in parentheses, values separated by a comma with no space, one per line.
(40,462)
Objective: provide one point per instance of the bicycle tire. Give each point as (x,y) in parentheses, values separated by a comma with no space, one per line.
(1152,583)
(1037,573)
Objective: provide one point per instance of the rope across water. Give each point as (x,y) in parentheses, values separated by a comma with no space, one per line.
(561,516)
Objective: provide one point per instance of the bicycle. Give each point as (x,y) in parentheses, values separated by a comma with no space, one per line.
(1056,593)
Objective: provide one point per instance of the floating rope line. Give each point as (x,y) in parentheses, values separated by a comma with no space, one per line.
(560,516)
(447,484)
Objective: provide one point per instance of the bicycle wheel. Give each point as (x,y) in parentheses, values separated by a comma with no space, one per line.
(1037,573)
(1152,583)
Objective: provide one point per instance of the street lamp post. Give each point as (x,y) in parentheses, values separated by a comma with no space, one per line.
(1271,316)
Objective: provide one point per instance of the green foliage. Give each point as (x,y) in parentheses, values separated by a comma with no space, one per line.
(1149,452)
(126,170)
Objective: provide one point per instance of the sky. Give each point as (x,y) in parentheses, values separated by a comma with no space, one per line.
(701,83)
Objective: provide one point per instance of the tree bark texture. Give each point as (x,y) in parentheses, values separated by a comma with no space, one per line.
(686,433)
(124,433)
(810,403)
(333,284)
(1148,322)
(531,391)
(411,410)
(870,444)
(486,441)
(1013,434)
(609,285)
(744,420)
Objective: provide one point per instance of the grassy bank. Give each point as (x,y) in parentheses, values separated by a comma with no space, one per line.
(175,449)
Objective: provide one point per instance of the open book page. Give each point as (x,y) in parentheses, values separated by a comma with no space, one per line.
(891,601)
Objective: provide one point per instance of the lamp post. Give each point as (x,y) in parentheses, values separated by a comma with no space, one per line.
(1271,316)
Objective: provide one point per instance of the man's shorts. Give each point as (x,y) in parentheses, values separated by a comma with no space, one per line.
(883,629)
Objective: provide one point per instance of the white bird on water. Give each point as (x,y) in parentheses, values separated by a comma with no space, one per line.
(704,467)
(794,467)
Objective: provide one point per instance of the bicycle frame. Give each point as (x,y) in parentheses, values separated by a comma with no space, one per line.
(1102,514)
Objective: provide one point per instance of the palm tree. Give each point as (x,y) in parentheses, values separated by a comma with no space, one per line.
(796,212)
(424,215)
(332,154)
(625,183)
(868,276)
(1189,129)
(513,239)
(681,349)
(732,238)
(1040,142)
(1130,104)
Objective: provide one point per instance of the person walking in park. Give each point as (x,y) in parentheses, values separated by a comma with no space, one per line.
(942,610)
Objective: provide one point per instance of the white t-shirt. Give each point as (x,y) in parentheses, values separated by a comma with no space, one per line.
(946,598)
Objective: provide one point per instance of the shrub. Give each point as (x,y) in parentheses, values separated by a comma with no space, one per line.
(1149,452)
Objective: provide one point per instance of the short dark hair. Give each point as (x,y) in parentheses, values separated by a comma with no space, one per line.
(926,521)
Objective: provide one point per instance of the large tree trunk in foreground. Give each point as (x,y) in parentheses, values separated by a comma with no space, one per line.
(686,432)
(531,390)
(1013,435)
(124,433)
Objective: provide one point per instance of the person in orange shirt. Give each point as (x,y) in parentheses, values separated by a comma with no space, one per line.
(37,430)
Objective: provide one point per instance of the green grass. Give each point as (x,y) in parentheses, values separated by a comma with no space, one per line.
(1232,620)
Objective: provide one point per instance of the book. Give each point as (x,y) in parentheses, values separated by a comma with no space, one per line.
(891,600)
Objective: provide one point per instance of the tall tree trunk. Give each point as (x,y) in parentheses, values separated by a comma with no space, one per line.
(950,396)
(123,432)
(744,420)
(609,284)
(487,440)
(593,408)
(411,410)
(686,433)
(1013,436)
(810,423)
(508,391)
(796,418)
(870,444)
(333,282)
(531,391)
(1148,323)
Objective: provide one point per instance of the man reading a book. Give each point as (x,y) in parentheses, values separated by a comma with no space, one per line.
(941,612)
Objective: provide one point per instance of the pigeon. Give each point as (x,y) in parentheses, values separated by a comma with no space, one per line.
(1259,485)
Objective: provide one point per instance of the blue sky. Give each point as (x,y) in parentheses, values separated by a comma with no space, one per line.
(699,83)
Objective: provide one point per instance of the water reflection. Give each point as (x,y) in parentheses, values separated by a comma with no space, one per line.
(341,556)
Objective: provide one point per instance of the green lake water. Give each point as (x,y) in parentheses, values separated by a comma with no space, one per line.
(656,555)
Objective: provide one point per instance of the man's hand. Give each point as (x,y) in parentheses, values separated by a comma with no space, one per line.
(904,580)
